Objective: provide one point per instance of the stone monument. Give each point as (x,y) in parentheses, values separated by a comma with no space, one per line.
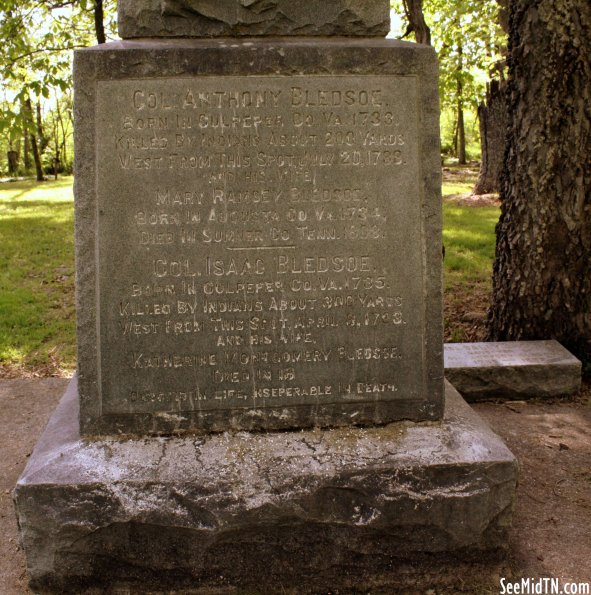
(258,239)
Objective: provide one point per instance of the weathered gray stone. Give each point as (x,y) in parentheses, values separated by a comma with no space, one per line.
(260,511)
(513,370)
(258,235)
(234,18)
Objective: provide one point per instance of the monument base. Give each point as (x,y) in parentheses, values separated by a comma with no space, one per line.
(308,510)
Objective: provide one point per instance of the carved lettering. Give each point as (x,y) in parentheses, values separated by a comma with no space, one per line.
(263,247)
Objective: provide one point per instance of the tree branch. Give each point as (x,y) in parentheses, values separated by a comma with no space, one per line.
(99,24)
(47,49)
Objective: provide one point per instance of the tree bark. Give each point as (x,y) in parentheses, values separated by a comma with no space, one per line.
(416,21)
(26,150)
(12,157)
(461,128)
(542,270)
(42,139)
(504,14)
(492,118)
(34,146)
(99,22)
(63,131)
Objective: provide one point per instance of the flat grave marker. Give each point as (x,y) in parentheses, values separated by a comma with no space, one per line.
(512,369)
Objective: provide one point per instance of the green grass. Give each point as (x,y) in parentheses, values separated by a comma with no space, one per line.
(468,232)
(28,191)
(37,318)
(457,187)
(469,239)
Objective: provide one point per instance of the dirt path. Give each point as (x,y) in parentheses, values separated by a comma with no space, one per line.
(25,407)
(552,524)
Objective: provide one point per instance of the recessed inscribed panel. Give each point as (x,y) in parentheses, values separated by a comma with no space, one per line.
(260,242)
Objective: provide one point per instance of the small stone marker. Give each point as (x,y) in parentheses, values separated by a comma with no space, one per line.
(512,370)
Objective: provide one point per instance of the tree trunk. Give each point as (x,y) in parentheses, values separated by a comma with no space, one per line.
(43,141)
(461,128)
(34,146)
(99,22)
(416,21)
(12,156)
(26,150)
(461,143)
(63,131)
(492,117)
(504,15)
(37,159)
(542,271)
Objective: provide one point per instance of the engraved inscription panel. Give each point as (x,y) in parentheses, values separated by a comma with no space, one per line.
(259,242)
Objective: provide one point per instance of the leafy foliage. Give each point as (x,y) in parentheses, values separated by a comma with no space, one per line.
(468,39)
(470,42)
(35,62)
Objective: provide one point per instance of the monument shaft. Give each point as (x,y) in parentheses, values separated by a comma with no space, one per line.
(262,250)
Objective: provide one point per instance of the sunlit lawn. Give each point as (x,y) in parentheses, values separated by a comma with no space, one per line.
(37,319)
(29,191)
(469,239)
(468,236)
(457,187)
(37,316)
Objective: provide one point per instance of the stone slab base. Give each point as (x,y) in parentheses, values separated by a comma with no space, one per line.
(512,369)
(308,511)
